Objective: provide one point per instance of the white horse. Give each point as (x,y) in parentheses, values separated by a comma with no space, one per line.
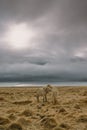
(42,92)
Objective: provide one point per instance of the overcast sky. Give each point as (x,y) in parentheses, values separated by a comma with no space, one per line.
(43,40)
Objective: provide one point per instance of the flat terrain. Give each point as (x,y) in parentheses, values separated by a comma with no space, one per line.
(19,109)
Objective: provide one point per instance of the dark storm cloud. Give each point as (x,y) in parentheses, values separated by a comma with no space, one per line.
(60,41)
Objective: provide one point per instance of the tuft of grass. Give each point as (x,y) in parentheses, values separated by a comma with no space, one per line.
(3,128)
(58,128)
(22,102)
(27,113)
(85,127)
(64,125)
(12,117)
(10,111)
(77,106)
(2,99)
(4,121)
(85,93)
(49,122)
(23,121)
(82,118)
(14,126)
(62,110)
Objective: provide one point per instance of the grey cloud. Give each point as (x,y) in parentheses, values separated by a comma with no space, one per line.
(60,51)
(23,10)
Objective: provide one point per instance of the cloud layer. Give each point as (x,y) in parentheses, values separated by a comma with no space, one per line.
(57,48)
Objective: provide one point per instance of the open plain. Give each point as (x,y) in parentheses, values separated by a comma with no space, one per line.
(19,109)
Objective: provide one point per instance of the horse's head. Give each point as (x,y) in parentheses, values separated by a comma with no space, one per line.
(48,88)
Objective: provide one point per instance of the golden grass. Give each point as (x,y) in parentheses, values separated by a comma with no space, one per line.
(22,112)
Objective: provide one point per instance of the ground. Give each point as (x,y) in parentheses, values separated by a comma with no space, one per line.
(19,109)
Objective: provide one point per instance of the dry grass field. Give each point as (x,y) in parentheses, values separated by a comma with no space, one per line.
(19,109)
